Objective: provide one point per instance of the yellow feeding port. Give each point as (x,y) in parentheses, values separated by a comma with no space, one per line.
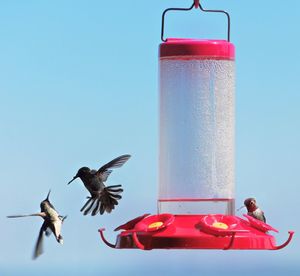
(155,224)
(220,225)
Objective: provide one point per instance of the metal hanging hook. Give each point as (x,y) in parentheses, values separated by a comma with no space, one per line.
(220,11)
(196,4)
(163,18)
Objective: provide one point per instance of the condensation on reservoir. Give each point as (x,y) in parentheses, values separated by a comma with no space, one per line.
(197,121)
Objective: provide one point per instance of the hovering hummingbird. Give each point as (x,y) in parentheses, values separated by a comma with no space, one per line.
(253,210)
(103,198)
(52,223)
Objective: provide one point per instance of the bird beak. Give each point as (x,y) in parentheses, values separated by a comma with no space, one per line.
(48,195)
(72,179)
(240,208)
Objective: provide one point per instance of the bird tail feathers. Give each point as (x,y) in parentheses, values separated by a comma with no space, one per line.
(104,202)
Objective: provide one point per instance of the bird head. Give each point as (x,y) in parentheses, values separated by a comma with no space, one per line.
(250,204)
(82,172)
(45,201)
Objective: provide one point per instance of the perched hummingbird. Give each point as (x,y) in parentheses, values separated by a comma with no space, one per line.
(102,198)
(52,223)
(253,210)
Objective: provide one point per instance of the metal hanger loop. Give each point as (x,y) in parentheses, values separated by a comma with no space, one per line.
(196,4)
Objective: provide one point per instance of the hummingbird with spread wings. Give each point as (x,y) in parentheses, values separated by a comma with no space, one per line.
(102,198)
(52,224)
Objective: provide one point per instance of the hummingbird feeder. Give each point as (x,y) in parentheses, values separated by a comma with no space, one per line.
(196,205)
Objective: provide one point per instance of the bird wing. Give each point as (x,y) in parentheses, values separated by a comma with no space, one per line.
(38,249)
(105,174)
(118,162)
(41,214)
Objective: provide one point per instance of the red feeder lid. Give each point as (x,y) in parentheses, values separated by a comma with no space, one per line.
(174,48)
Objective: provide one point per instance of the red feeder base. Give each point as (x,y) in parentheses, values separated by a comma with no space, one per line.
(167,231)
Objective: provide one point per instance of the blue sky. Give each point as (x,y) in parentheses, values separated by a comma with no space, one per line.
(79,86)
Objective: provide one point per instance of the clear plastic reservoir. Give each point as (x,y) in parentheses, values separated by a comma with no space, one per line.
(196,154)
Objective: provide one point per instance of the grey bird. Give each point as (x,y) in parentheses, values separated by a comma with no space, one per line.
(253,209)
(52,223)
(103,198)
